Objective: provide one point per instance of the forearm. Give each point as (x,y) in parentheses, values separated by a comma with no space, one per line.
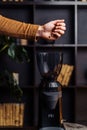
(17,29)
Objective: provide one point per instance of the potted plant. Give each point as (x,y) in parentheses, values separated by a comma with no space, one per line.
(17,53)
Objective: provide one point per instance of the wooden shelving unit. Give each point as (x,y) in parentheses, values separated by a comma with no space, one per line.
(73,44)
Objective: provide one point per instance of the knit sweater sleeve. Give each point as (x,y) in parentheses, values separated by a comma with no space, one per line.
(17,29)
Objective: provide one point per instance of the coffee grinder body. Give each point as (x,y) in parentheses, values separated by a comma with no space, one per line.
(50,93)
(50,107)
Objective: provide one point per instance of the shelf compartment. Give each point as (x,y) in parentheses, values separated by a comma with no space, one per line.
(68,104)
(82,24)
(27,99)
(67,54)
(81,105)
(57,12)
(23,14)
(25,70)
(81,69)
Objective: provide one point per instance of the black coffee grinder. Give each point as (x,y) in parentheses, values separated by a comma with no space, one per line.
(50,94)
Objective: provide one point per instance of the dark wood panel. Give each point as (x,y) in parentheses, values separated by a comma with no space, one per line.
(81,105)
(82,20)
(81,66)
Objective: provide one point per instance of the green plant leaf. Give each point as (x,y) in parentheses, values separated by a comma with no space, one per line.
(18,53)
(3,48)
(7,78)
(11,51)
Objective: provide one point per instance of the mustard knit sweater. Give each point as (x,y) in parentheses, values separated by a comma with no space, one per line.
(17,29)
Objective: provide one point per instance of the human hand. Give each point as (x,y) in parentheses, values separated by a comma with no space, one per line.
(52,30)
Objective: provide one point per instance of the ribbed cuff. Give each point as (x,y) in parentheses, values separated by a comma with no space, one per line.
(32,32)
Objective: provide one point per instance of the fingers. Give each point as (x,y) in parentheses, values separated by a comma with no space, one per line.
(59,29)
(58,32)
(56,35)
(58,21)
(60,24)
